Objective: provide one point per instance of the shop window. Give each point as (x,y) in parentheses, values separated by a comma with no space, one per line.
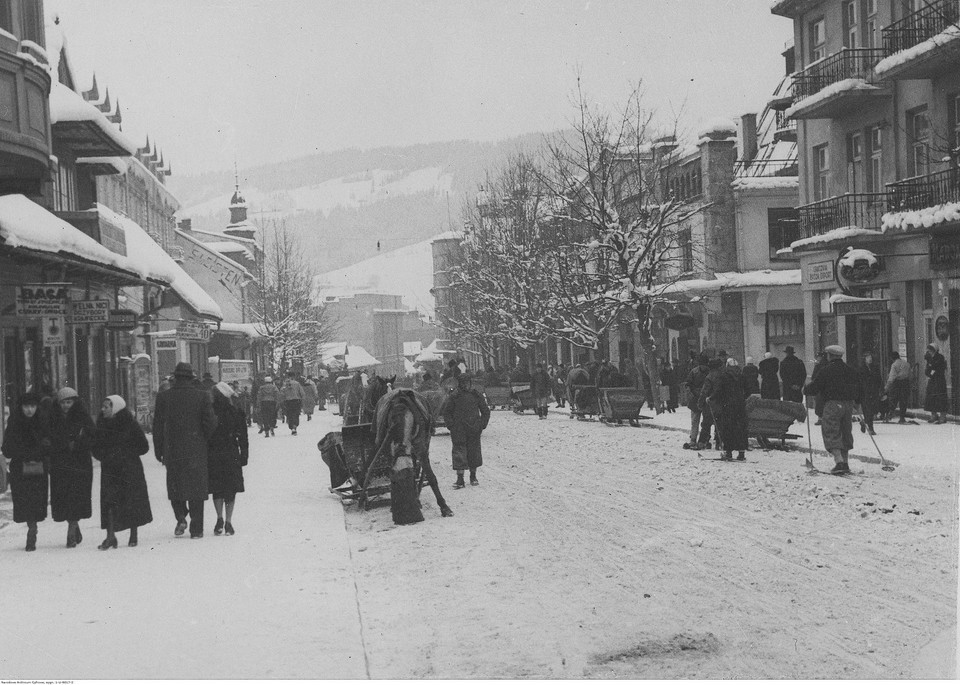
(784,325)
(918,140)
(783,227)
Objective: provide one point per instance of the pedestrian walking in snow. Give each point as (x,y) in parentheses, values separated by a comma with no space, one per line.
(769,382)
(668,379)
(71,465)
(323,389)
(936,401)
(871,382)
(183,421)
(118,444)
(727,402)
(793,373)
(709,411)
(699,437)
(750,377)
(27,447)
(309,398)
(466,415)
(542,387)
(840,387)
(268,399)
(227,454)
(560,385)
(292,396)
(897,387)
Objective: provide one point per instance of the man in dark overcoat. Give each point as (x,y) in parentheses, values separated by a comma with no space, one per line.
(793,374)
(769,382)
(466,415)
(728,404)
(183,421)
(839,386)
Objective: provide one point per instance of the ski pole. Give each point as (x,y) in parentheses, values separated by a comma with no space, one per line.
(884,466)
(809,463)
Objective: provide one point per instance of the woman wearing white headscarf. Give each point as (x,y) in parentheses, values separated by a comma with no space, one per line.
(119,443)
(227,454)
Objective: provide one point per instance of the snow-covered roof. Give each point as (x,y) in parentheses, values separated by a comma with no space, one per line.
(224,237)
(251,330)
(735,280)
(949,35)
(830,236)
(766,183)
(227,246)
(719,128)
(432,353)
(846,85)
(140,243)
(449,235)
(119,164)
(355,358)
(25,224)
(927,217)
(66,105)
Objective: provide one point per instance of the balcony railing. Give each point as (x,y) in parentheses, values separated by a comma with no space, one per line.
(848,63)
(785,128)
(863,210)
(765,167)
(926,22)
(921,192)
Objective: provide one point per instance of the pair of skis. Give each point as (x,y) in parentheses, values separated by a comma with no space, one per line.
(884,464)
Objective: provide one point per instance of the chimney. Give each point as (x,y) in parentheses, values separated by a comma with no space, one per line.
(748,137)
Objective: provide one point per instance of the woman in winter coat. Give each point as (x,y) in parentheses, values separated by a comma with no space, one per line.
(27,446)
(542,388)
(227,453)
(268,399)
(936,401)
(118,444)
(309,398)
(871,385)
(71,468)
(668,379)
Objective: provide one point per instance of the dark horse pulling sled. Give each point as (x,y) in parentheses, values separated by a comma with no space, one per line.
(390,456)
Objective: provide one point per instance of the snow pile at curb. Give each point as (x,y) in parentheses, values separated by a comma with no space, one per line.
(948,212)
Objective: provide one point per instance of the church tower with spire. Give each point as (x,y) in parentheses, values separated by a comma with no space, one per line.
(239,226)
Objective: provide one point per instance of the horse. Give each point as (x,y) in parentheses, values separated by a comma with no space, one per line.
(402,428)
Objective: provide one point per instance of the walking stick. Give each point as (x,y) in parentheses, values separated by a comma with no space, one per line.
(884,466)
(809,463)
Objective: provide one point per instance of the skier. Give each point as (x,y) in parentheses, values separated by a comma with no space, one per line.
(840,387)
(898,386)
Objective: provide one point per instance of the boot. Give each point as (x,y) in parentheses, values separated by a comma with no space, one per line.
(459,482)
(473,477)
(31,538)
(741,456)
(71,536)
(133,541)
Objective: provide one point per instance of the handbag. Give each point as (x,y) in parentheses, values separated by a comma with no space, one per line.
(32,468)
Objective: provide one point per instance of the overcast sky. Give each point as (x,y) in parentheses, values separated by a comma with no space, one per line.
(268,80)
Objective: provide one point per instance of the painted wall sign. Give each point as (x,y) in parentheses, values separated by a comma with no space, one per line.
(862,307)
(820,272)
(229,274)
(944,252)
(41,300)
(89,311)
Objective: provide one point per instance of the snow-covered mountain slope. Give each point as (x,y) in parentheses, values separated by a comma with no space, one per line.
(351,191)
(407,271)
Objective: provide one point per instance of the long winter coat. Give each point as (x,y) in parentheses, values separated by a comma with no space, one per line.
(695,380)
(769,383)
(729,407)
(26,440)
(309,397)
(71,468)
(118,444)
(936,373)
(541,384)
(183,422)
(750,377)
(466,415)
(227,451)
(793,373)
(871,383)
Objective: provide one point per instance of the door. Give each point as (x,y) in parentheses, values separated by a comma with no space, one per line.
(868,333)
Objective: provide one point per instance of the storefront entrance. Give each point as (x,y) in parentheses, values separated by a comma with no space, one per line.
(868,333)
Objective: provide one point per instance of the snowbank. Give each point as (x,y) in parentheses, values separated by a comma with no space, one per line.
(949,35)
(846,85)
(927,217)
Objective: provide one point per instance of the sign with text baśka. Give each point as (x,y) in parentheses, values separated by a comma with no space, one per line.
(89,311)
(37,300)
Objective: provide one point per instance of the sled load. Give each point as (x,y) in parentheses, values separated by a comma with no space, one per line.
(621,404)
(770,420)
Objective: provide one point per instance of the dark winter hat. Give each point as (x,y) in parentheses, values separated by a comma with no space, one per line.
(704,358)
(715,363)
(788,349)
(183,370)
(30,398)
(206,374)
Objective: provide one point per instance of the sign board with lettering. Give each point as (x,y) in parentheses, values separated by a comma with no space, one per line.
(165,344)
(861,307)
(42,299)
(142,389)
(54,334)
(944,251)
(236,370)
(820,272)
(193,330)
(89,311)
(122,319)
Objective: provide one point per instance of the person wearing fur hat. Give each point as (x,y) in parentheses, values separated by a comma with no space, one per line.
(71,466)
(118,444)
(27,446)
(228,451)
(935,400)
(839,386)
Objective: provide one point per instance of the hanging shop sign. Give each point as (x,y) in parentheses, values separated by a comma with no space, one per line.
(820,272)
(122,319)
(861,307)
(37,300)
(165,344)
(193,330)
(89,311)
(942,328)
(859,266)
(53,332)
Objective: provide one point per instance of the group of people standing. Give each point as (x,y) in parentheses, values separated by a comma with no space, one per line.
(199,435)
(292,397)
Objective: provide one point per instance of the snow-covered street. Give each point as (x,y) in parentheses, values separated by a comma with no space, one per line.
(586,551)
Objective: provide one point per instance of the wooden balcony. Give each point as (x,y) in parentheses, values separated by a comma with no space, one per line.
(98,227)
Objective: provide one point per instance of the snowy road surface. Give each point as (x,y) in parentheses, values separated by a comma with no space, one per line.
(276,600)
(587,551)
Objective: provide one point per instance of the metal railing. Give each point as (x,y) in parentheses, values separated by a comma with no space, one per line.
(848,63)
(863,210)
(916,27)
(785,128)
(765,167)
(920,192)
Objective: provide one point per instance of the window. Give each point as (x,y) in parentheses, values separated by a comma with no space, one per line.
(953,103)
(818,39)
(685,242)
(65,195)
(875,140)
(32,22)
(784,325)
(783,227)
(821,181)
(850,27)
(855,162)
(870,26)
(918,141)
(6,16)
